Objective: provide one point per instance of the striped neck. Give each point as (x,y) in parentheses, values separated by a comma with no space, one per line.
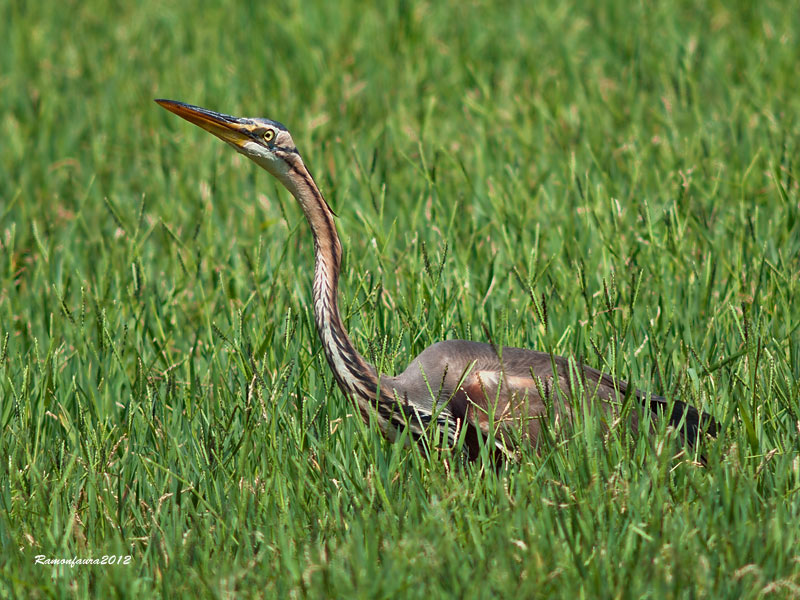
(392,409)
(355,376)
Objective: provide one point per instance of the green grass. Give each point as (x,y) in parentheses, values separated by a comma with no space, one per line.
(618,184)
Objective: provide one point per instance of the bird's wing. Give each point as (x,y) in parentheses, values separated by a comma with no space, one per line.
(519,395)
(508,394)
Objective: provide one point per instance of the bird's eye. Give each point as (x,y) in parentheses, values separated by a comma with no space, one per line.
(269,135)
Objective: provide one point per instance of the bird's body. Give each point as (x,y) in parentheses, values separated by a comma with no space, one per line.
(460,388)
(513,391)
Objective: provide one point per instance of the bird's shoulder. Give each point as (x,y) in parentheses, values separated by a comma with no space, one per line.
(454,363)
(459,355)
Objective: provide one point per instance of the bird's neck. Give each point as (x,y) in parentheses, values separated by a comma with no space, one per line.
(355,375)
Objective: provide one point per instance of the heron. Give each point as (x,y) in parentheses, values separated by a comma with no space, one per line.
(456,393)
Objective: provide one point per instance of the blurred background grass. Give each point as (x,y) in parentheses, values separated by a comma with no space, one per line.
(628,169)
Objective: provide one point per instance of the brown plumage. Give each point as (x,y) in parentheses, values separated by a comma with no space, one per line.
(455,387)
(514,389)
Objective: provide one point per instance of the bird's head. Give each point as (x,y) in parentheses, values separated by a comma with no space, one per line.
(266,142)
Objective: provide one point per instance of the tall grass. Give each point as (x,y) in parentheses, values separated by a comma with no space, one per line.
(616,183)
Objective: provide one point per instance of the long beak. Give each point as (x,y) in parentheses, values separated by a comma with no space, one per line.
(227,128)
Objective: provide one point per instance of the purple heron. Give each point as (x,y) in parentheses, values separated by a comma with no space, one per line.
(458,387)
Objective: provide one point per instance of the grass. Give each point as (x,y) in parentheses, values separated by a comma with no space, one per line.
(617,183)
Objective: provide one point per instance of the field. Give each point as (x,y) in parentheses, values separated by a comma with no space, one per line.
(616,182)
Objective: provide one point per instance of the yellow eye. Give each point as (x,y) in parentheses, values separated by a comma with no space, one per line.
(269,135)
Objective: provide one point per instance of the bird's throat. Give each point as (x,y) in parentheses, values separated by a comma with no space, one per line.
(356,377)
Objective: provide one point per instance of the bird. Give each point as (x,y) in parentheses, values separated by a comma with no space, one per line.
(455,393)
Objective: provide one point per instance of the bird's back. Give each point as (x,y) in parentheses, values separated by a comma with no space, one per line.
(506,388)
